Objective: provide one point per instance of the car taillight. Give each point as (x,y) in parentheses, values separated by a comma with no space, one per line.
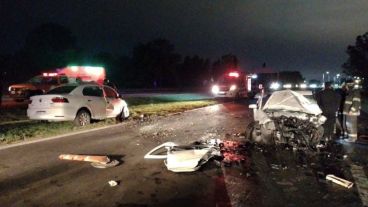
(59,100)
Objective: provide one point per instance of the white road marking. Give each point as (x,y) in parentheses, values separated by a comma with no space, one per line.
(361,182)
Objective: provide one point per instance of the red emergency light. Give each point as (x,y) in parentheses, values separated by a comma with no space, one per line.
(234,74)
(49,74)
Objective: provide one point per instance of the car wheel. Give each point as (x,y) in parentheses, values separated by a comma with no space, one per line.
(83,118)
(124,114)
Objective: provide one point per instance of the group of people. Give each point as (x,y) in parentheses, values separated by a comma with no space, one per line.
(341,109)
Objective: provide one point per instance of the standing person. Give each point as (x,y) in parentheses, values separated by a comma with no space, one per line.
(107,82)
(352,106)
(329,101)
(341,118)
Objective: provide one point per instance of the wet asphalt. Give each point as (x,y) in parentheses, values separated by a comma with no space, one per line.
(32,175)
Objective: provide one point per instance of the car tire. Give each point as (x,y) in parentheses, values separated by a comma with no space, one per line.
(124,114)
(82,118)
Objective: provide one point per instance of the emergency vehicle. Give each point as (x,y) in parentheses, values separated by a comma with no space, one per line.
(40,84)
(233,84)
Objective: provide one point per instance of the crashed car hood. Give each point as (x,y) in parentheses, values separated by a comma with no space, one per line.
(291,101)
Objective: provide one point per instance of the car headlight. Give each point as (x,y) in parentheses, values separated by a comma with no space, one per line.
(275,85)
(215,89)
(303,85)
(232,87)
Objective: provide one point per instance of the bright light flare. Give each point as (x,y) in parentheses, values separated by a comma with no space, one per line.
(275,85)
(49,74)
(234,74)
(97,71)
(303,85)
(288,86)
(215,89)
(232,87)
(313,85)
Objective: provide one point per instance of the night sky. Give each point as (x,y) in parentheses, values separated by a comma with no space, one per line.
(309,36)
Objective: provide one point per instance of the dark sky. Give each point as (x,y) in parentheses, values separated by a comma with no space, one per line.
(309,36)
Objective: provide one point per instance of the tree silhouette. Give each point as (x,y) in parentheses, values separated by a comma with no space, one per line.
(156,64)
(194,71)
(48,46)
(226,62)
(357,62)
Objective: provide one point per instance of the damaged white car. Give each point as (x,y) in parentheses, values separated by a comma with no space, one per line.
(288,117)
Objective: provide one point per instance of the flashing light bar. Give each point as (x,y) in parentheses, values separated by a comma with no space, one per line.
(49,74)
(234,74)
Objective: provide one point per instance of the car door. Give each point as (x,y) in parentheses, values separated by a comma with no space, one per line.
(95,100)
(113,107)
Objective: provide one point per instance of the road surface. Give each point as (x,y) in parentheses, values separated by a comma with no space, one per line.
(32,174)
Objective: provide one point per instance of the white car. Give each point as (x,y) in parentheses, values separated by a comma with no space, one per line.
(78,103)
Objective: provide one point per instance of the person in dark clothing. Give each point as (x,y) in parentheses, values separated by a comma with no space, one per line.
(340,122)
(107,82)
(329,102)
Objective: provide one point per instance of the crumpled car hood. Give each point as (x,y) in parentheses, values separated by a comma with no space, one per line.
(291,101)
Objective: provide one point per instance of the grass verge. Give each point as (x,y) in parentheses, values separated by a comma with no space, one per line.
(15,128)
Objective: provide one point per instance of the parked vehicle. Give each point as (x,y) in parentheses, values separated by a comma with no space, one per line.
(79,103)
(231,85)
(38,85)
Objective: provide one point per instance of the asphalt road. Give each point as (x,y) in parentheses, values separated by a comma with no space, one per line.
(32,174)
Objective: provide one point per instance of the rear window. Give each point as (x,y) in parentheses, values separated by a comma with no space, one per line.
(62,90)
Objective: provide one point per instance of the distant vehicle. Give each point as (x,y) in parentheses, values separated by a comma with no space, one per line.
(231,85)
(42,83)
(38,85)
(79,103)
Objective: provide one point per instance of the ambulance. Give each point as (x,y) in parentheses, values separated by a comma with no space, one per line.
(234,84)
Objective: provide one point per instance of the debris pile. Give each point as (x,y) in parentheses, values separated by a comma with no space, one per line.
(189,158)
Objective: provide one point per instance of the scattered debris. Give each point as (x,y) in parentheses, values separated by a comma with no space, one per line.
(97,161)
(184,158)
(189,158)
(113,183)
(339,181)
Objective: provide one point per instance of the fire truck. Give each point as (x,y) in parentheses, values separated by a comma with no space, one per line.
(233,84)
(49,80)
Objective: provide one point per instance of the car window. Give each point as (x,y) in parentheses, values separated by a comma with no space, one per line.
(92,91)
(35,80)
(64,79)
(62,90)
(110,93)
